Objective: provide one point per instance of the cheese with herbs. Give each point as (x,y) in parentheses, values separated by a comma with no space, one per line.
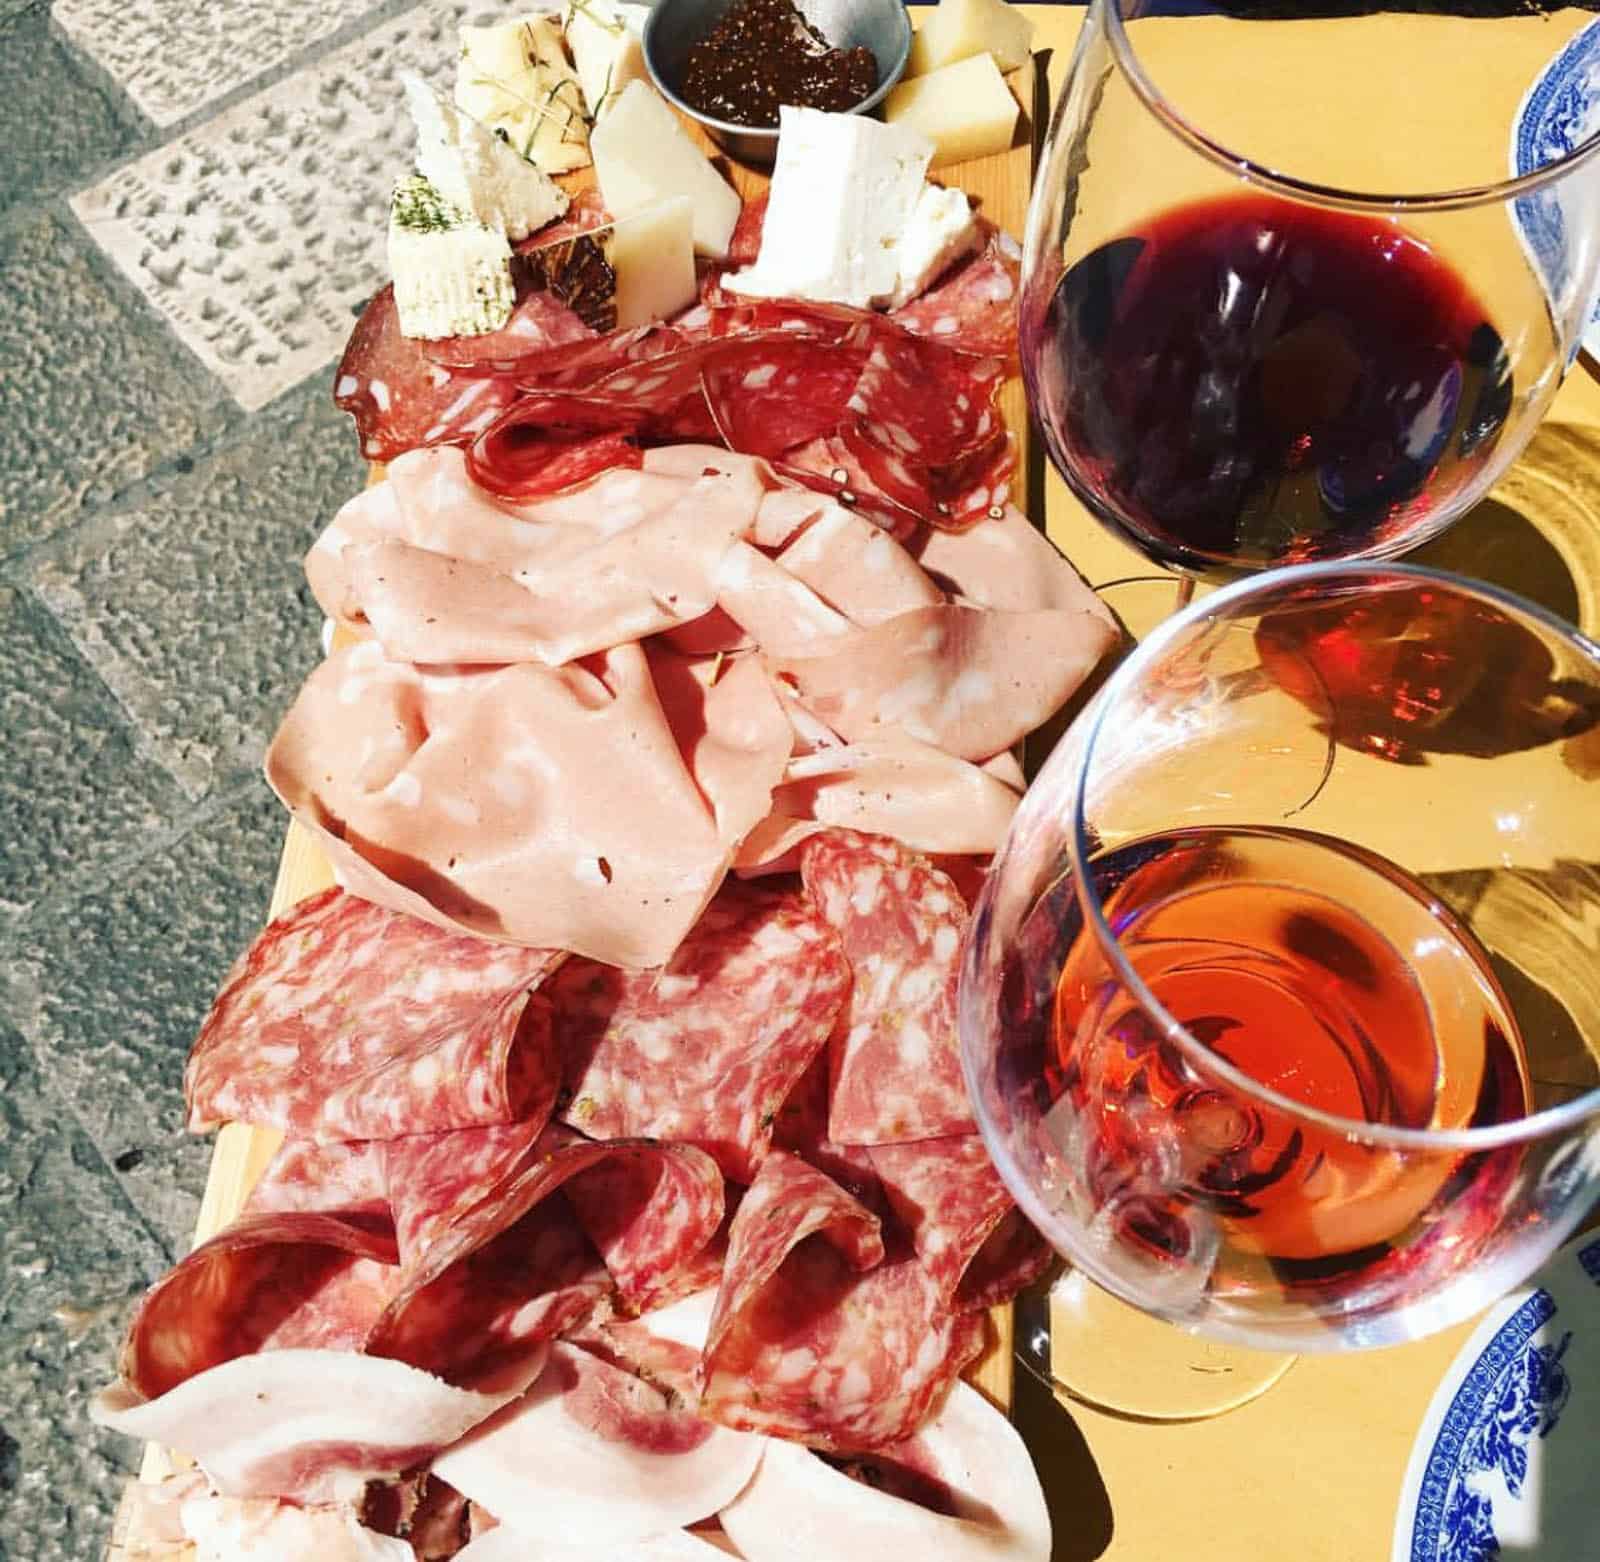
(515,78)
(474,169)
(607,44)
(643,155)
(452,273)
(844,191)
(966,110)
(958,29)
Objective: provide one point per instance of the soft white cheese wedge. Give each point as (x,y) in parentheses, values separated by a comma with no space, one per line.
(942,228)
(844,188)
(643,155)
(514,77)
(452,273)
(607,44)
(474,169)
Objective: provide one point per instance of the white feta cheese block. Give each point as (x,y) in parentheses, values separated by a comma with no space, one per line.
(607,44)
(942,229)
(652,254)
(452,273)
(844,188)
(643,155)
(474,169)
(514,77)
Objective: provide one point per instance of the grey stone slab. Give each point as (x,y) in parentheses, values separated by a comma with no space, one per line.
(259,231)
(92,397)
(54,124)
(192,606)
(111,987)
(73,1257)
(75,794)
(172,60)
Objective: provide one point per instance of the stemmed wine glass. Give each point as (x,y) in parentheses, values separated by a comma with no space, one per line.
(1281,1006)
(1281,304)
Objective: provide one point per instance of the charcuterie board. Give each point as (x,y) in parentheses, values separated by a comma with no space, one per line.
(999,185)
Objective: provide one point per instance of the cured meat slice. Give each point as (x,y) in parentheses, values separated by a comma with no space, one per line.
(399,398)
(312,1425)
(592,1456)
(262,1529)
(924,403)
(470,817)
(1012,1257)
(539,324)
(802,1129)
(508,1545)
(335,1178)
(523,456)
(989,1506)
(490,1268)
(973,307)
(662,1347)
(948,1196)
(894,1064)
(781,613)
(705,1050)
(857,568)
(265,1283)
(829,466)
(968,681)
(344,1020)
(768,396)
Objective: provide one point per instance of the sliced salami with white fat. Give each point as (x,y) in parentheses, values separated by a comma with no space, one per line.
(594,1456)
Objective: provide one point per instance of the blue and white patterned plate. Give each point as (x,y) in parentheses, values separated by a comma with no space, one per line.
(1561,110)
(1506,1463)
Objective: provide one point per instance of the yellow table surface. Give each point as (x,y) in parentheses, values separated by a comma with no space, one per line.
(1311,1471)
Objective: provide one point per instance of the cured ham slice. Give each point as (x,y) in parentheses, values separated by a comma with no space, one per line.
(594,1457)
(312,1425)
(259,1529)
(705,1050)
(968,1458)
(348,1021)
(894,1064)
(449,794)
(967,681)
(509,1545)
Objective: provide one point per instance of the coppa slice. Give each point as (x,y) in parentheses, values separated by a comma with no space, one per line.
(705,1050)
(594,1456)
(895,1072)
(347,1021)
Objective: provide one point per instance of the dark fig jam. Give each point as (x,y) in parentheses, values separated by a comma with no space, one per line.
(764,53)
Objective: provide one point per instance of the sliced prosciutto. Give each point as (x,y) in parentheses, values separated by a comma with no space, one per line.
(348,1021)
(593,1456)
(964,1489)
(258,1529)
(895,1069)
(705,1050)
(555,807)
(312,1425)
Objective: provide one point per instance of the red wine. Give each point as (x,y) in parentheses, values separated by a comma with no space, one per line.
(1317,969)
(1246,381)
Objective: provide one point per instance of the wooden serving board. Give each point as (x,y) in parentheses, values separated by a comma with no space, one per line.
(1000,185)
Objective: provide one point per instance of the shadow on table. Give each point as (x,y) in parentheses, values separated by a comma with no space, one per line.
(1080,1507)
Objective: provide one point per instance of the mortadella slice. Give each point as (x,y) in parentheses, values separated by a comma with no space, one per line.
(344,1020)
(705,1050)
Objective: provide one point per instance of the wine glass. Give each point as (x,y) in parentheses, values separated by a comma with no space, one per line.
(1281,302)
(1279,1011)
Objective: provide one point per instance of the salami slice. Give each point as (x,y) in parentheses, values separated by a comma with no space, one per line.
(705,1050)
(347,1021)
(400,399)
(768,397)
(1012,1257)
(895,1071)
(540,326)
(526,455)
(948,1197)
(972,308)
(923,402)
(337,1178)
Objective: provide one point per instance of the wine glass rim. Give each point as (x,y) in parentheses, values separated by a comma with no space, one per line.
(1309,190)
(1549,1122)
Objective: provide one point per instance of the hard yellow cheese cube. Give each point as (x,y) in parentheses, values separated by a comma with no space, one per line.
(965,109)
(958,29)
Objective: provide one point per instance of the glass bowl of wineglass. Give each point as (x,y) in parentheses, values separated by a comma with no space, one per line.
(1281,302)
(1280,1010)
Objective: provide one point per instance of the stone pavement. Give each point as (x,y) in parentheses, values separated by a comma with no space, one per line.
(191,203)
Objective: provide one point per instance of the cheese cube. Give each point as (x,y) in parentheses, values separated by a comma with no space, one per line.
(643,155)
(607,44)
(514,77)
(474,169)
(958,29)
(452,273)
(652,255)
(941,229)
(966,110)
(844,188)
